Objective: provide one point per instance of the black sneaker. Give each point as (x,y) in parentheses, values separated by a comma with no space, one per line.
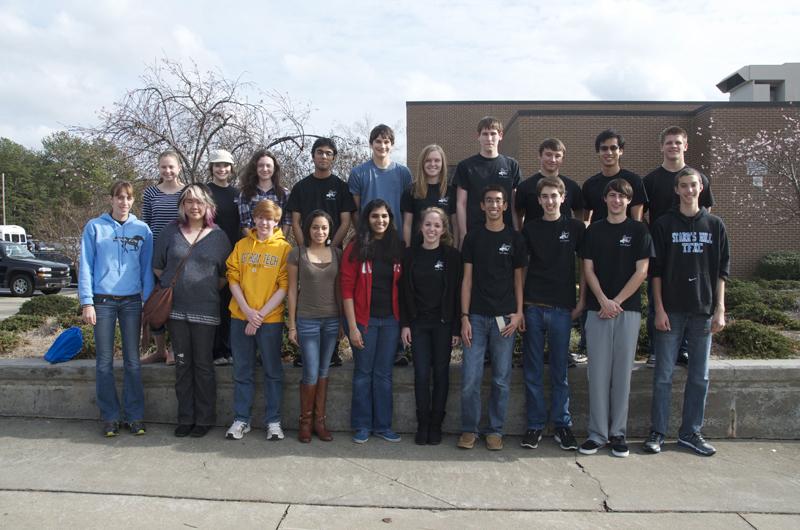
(565,439)
(697,443)
(198,431)
(531,438)
(183,430)
(576,358)
(653,443)
(589,447)
(683,359)
(651,360)
(111,429)
(136,428)
(618,446)
(298,362)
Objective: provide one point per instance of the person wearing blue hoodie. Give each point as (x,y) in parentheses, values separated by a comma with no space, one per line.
(114,277)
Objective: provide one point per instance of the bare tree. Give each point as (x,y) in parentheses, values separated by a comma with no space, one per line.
(191,112)
(764,169)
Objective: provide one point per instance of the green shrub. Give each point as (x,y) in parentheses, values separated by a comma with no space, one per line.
(51,306)
(21,323)
(751,340)
(780,285)
(738,292)
(783,300)
(9,340)
(763,314)
(67,321)
(780,266)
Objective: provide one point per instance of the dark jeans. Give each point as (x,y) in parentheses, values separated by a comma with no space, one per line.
(222,337)
(195,383)
(430,346)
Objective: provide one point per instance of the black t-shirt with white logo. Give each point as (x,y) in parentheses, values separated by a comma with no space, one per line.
(593,193)
(477,172)
(527,198)
(494,256)
(330,194)
(660,187)
(552,246)
(428,276)
(614,250)
(415,206)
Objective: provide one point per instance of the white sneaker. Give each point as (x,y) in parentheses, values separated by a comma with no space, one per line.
(237,430)
(274,431)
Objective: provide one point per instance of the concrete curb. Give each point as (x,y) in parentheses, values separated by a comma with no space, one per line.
(747,399)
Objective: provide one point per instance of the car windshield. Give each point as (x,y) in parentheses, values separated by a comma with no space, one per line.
(17,251)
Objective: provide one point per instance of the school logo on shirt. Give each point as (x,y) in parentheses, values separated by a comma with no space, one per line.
(692,242)
(255,259)
(503,173)
(331,195)
(443,201)
(564,237)
(504,249)
(625,241)
(439,265)
(129,243)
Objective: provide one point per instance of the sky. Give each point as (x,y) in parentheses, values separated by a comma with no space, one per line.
(347,62)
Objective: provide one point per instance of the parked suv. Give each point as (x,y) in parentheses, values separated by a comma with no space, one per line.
(22,272)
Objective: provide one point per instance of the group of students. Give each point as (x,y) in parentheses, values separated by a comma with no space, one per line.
(432,264)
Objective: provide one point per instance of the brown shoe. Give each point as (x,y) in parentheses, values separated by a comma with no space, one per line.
(494,442)
(320,429)
(306,409)
(467,440)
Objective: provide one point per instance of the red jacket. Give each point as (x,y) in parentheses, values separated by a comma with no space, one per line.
(355,279)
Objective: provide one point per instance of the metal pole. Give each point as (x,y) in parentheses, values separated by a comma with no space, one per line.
(4,198)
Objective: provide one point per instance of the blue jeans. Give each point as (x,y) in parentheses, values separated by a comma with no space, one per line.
(371,408)
(697,329)
(129,313)
(269,339)
(486,334)
(556,322)
(317,338)
(651,323)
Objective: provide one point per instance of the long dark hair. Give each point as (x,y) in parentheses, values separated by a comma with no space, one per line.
(367,248)
(250,176)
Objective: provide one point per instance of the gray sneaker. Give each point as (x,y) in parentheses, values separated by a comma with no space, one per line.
(653,443)
(274,432)
(696,443)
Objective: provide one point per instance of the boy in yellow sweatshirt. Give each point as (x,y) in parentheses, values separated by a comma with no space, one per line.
(258,280)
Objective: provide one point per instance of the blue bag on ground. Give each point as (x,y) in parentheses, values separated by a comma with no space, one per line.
(66,346)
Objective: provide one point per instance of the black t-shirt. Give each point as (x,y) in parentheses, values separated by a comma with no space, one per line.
(382,279)
(593,193)
(428,276)
(660,187)
(614,250)
(329,194)
(527,198)
(552,246)
(477,172)
(227,210)
(412,205)
(494,256)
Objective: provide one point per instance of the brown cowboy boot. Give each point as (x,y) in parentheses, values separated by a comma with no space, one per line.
(307,393)
(319,410)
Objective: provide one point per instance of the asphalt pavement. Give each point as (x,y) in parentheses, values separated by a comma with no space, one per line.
(63,474)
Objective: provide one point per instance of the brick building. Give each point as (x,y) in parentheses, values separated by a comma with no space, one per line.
(576,123)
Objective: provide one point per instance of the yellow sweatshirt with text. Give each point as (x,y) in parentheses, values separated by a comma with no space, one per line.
(259,268)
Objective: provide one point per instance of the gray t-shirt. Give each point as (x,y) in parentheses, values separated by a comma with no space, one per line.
(317,295)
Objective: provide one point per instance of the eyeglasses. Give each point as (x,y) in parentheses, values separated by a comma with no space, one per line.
(325,154)
(489,200)
(613,148)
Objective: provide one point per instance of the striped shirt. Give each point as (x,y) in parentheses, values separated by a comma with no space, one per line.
(159,209)
(246,207)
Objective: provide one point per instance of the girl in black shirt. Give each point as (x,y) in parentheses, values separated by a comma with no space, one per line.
(429,304)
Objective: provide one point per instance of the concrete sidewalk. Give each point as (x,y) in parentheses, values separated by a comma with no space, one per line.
(63,474)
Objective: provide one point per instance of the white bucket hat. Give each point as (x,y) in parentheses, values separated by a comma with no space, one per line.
(220,156)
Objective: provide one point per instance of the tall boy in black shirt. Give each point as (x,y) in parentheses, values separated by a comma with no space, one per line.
(491,312)
(552,241)
(688,274)
(616,253)
(486,168)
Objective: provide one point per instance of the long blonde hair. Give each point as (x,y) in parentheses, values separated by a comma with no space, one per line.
(420,185)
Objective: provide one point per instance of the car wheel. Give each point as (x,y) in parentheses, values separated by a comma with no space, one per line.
(52,291)
(21,285)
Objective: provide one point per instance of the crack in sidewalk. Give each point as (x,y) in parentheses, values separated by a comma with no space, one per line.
(604,505)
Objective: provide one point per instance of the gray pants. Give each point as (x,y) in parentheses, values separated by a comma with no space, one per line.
(611,347)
